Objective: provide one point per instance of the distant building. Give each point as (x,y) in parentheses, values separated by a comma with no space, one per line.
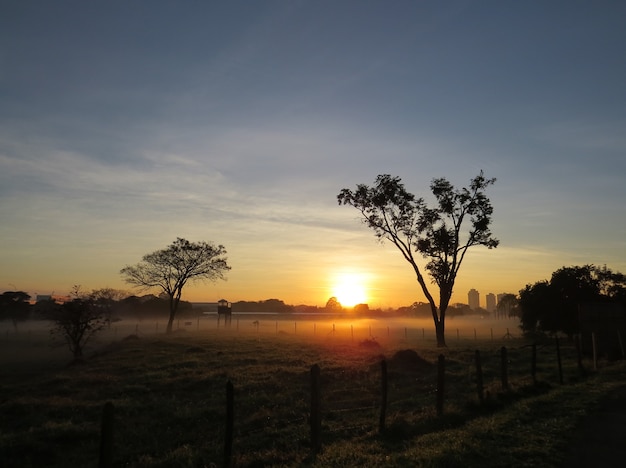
(473,299)
(491,302)
(52,297)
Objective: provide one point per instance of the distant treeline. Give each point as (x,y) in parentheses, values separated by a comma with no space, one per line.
(417,309)
(147,306)
(269,305)
(16,306)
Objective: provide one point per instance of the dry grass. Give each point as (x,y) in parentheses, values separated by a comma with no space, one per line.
(169,397)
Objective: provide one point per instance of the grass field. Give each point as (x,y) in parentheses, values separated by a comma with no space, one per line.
(169,395)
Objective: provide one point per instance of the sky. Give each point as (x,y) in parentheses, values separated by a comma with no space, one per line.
(124,125)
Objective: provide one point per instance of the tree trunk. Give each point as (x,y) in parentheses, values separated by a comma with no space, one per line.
(170,322)
(440,333)
(173,307)
(445,292)
(438,320)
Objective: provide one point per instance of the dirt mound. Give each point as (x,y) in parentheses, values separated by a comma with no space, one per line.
(369,343)
(407,358)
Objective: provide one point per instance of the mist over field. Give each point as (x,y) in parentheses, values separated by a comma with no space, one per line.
(168,392)
(32,347)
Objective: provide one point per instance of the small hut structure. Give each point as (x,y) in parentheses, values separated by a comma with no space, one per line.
(224,309)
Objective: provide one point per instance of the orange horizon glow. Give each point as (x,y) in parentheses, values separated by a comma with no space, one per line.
(381,278)
(350,288)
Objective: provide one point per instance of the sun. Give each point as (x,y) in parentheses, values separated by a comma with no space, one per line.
(349,289)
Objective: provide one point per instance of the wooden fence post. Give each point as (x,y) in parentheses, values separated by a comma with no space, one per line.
(106,437)
(579,356)
(316,411)
(505,368)
(533,363)
(558,359)
(479,378)
(441,376)
(383,396)
(230,423)
(595,353)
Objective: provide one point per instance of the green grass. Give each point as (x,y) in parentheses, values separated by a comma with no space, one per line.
(169,396)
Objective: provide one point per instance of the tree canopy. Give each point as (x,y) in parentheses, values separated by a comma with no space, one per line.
(76,321)
(553,306)
(171,268)
(442,234)
(14,305)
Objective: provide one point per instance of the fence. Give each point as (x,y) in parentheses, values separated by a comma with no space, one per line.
(341,402)
(384,330)
(354,329)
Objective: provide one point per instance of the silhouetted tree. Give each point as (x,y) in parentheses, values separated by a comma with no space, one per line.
(77,321)
(108,300)
(14,306)
(171,268)
(537,303)
(552,306)
(508,305)
(43,308)
(333,304)
(612,285)
(434,233)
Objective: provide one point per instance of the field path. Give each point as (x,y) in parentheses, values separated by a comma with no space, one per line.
(600,440)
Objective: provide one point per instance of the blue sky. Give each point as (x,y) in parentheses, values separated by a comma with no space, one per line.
(124,125)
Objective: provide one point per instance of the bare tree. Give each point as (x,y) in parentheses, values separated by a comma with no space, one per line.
(434,233)
(76,321)
(171,268)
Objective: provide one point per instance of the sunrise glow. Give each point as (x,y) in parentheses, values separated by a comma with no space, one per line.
(350,289)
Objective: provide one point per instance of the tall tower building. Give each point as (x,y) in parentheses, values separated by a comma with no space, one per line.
(491,302)
(473,299)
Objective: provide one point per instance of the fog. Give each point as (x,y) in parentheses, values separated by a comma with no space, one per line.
(31,346)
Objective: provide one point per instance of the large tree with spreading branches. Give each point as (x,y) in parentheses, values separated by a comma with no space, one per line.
(171,268)
(442,234)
